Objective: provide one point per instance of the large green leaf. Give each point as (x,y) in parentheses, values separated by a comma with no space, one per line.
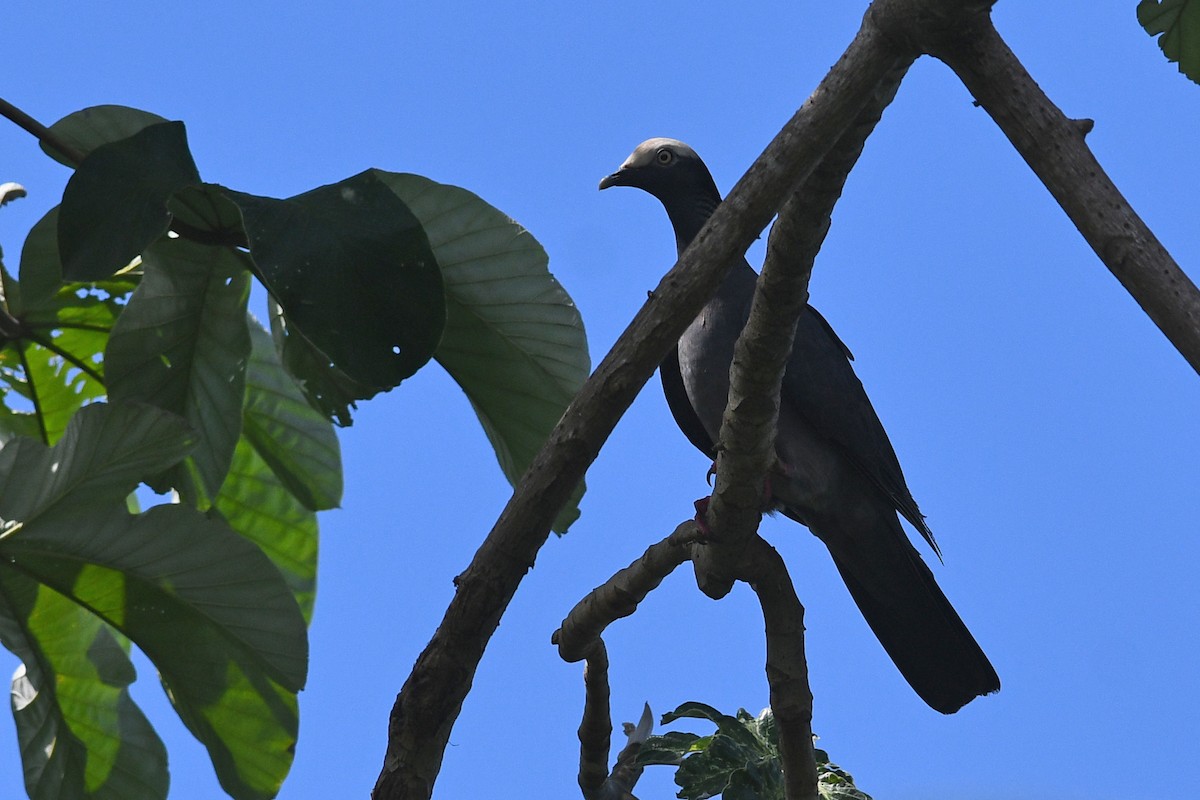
(115,204)
(1179,23)
(514,340)
(88,128)
(80,732)
(182,344)
(352,269)
(256,504)
(208,608)
(106,451)
(295,441)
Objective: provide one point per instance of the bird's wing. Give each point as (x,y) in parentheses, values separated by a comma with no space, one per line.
(681,407)
(821,386)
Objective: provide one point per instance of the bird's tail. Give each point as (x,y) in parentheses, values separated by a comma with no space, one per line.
(913,620)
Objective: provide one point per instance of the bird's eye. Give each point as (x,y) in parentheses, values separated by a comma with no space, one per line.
(665,156)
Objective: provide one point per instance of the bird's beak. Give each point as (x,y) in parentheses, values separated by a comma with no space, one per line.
(616,179)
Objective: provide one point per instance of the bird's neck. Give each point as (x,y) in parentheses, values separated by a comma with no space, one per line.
(689,215)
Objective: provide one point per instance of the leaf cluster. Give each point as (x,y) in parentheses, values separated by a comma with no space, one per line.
(738,761)
(128,356)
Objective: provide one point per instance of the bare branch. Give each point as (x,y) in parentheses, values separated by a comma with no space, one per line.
(579,637)
(787,669)
(595,729)
(1053,146)
(620,595)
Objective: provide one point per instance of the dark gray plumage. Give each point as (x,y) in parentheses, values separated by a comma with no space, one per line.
(843,480)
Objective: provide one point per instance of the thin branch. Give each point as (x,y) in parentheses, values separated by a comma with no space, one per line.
(620,595)
(1053,145)
(427,706)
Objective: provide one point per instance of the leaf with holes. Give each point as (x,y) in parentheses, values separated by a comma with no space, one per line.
(353,271)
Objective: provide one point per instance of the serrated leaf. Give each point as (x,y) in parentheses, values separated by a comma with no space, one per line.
(88,128)
(81,734)
(514,340)
(1178,22)
(182,344)
(295,441)
(353,271)
(115,204)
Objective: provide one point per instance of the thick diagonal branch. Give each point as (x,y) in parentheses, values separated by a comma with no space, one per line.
(427,706)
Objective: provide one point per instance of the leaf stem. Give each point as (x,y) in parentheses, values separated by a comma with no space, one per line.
(43,134)
(33,395)
(74,360)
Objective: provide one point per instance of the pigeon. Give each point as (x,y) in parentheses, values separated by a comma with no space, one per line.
(839,475)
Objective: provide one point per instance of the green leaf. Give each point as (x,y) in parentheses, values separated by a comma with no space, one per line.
(41,268)
(205,604)
(256,504)
(210,214)
(327,389)
(81,734)
(296,442)
(115,204)
(87,129)
(106,451)
(740,761)
(1179,23)
(514,340)
(354,274)
(56,366)
(182,344)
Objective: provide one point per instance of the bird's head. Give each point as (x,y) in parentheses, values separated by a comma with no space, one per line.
(672,172)
(667,169)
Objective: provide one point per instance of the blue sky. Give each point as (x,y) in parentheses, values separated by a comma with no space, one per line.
(1045,426)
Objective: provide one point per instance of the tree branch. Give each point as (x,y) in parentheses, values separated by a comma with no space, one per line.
(787,669)
(428,704)
(1053,146)
(747,449)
